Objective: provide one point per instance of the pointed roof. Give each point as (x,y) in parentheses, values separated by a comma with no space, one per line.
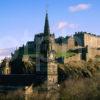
(46,26)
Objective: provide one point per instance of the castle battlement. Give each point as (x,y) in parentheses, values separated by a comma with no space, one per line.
(87,39)
(86,33)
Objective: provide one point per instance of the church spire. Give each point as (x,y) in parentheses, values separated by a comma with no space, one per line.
(46,26)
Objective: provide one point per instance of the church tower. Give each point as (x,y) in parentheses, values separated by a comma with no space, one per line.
(46,26)
(43,47)
(46,40)
(48,63)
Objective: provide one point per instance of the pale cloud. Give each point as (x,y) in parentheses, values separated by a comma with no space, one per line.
(79,7)
(2,57)
(66,25)
(62,25)
(9,43)
(6,53)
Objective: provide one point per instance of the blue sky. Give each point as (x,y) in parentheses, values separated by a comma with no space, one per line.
(20,20)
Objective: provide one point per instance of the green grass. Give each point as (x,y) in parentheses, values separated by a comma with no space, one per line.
(59,54)
(97,58)
(65,54)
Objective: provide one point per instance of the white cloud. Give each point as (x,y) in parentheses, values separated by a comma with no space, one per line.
(79,7)
(66,25)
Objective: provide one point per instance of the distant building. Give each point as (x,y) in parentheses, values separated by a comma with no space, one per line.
(5,68)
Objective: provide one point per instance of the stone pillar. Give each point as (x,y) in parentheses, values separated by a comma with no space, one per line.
(52,75)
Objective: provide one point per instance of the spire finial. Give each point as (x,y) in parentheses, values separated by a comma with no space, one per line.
(46,8)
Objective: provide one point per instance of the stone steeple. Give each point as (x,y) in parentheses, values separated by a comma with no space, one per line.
(46,63)
(46,26)
(44,49)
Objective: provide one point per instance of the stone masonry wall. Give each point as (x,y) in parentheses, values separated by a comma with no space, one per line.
(92,53)
(77,57)
(98,42)
(71,43)
(91,41)
(59,48)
